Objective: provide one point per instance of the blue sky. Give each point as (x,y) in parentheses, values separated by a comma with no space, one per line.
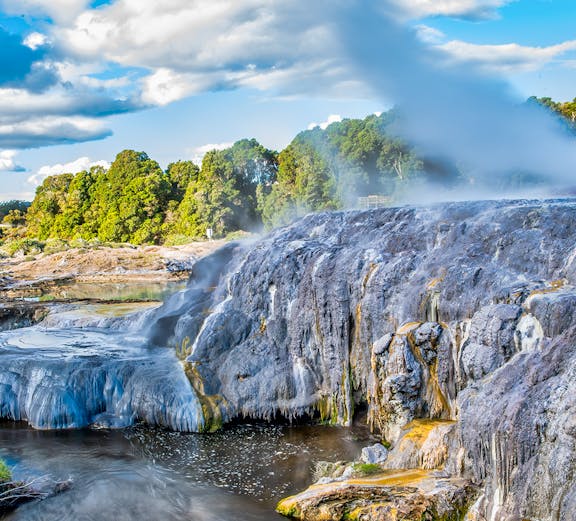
(80,80)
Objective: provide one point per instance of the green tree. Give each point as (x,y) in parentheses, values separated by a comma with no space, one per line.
(180,175)
(129,201)
(225,194)
(48,203)
(71,219)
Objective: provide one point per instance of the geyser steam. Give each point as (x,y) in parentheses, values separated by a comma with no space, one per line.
(454,110)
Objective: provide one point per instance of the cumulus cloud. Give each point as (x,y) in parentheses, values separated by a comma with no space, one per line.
(50,130)
(7,163)
(20,105)
(332,118)
(287,49)
(46,98)
(73,167)
(199,152)
(506,57)
(165,86)
(190,47)
(59,115)
(35,40)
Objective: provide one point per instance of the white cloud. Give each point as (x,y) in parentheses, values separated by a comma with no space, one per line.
(198,153)
(73,167)
(506,57)
(190,47)
(332,118)
(59,10)
(429,34)
(35,40)
(286,49)
(50,130)
(56,116)
(455,8)
(165,86)
(7,163)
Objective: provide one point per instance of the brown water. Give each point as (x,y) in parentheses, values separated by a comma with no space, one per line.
(151,474)
(106,291)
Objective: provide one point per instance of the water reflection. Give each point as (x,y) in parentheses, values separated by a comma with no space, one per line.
(106,291)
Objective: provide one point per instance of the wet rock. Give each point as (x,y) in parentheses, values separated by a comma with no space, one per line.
(414,379)
(395,496)
(102,380)
(424,444)
(15,316)
(376,453)
(554,310)
(320,298)
(517,431)
(423,313)
(491,341)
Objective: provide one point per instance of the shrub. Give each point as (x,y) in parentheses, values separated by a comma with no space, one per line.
(55,246)
(5,474)
(23,247)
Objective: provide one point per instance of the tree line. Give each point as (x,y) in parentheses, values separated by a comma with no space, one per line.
(244,187)
(566,110)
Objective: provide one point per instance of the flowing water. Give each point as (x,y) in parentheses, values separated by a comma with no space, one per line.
(145,474)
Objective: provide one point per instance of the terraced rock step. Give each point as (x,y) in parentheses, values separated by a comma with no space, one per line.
(390,496)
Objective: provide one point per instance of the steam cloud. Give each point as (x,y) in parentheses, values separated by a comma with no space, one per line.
(454,110)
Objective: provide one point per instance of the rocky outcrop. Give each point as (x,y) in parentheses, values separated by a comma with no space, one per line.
(396,496)
(17,315)
(456,313)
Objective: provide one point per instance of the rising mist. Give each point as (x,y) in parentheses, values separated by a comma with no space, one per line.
(454,110)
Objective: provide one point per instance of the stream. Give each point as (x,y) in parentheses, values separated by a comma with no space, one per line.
(82,361)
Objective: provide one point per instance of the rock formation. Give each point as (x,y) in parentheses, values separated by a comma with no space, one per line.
(453,325)
(458,313)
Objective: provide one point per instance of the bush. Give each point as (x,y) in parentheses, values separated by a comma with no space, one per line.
(55,246)
(23,247)
(178,239)
(5,474)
